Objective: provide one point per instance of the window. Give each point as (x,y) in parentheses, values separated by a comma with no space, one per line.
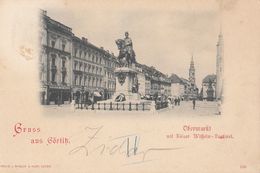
(75,81)
(93,81)
(80,80)
(85,79)
(85,67)
(86,82)
(63,62)
(63,77)
(63,47)
(89,68)
(80,66)
(52,43)
(89,81)
(75,52)
(75,65)
(53,61)
(88,55)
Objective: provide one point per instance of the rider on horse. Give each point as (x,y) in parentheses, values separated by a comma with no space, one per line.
(126,49)
(128,43)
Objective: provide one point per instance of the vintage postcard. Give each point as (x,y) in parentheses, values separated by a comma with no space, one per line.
(130,86)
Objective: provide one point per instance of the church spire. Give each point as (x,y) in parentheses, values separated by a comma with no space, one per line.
(192,62)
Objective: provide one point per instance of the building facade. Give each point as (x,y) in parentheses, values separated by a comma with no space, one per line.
(87,67)
(177,86)
(208,91)
(93,69)
(70,66)
(152,81)
(110,63)
(55,61)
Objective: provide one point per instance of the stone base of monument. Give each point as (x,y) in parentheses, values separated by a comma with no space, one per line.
(126,96)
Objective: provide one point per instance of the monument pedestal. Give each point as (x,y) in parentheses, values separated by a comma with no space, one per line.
(125,84)
(126,96)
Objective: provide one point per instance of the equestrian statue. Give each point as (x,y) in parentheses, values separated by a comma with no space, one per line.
(126,55)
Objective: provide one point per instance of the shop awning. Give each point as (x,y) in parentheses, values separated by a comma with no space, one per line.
(97,94)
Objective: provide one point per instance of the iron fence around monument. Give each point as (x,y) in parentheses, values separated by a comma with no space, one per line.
(161,105)
(111,106)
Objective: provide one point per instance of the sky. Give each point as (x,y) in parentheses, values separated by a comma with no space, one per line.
(163,37)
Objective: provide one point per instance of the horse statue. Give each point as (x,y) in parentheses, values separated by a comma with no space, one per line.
(125,57)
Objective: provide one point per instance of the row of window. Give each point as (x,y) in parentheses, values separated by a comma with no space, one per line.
(62,45)
(85,67)
(88,55)
(109,75)
(87,81)
(92,82)
(110,85)
(94,57)
(54,77)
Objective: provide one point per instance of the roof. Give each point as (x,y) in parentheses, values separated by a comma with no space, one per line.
(185,81)
(175,79)
(211,77)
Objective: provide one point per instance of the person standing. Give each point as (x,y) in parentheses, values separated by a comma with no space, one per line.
(194,103)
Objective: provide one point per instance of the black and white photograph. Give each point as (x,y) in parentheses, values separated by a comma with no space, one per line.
(167,63)
(95,86)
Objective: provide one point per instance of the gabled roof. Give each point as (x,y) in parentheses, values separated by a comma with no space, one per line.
(211,77)
(185,81)
(175,78)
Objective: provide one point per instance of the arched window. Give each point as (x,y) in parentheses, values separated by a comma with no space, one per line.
(93,81)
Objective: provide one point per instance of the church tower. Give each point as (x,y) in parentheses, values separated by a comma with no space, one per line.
(192,74)
(219,66)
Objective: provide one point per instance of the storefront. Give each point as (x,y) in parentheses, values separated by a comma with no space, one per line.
(58,95)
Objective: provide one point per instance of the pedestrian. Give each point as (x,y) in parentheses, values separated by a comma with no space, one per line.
(179,100)
(175,102)
(194,103)
(58,100)
(219,107)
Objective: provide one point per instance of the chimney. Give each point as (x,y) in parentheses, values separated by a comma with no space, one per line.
(85,40)
(44,12)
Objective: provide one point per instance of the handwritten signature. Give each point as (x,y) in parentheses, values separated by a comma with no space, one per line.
(127,145)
